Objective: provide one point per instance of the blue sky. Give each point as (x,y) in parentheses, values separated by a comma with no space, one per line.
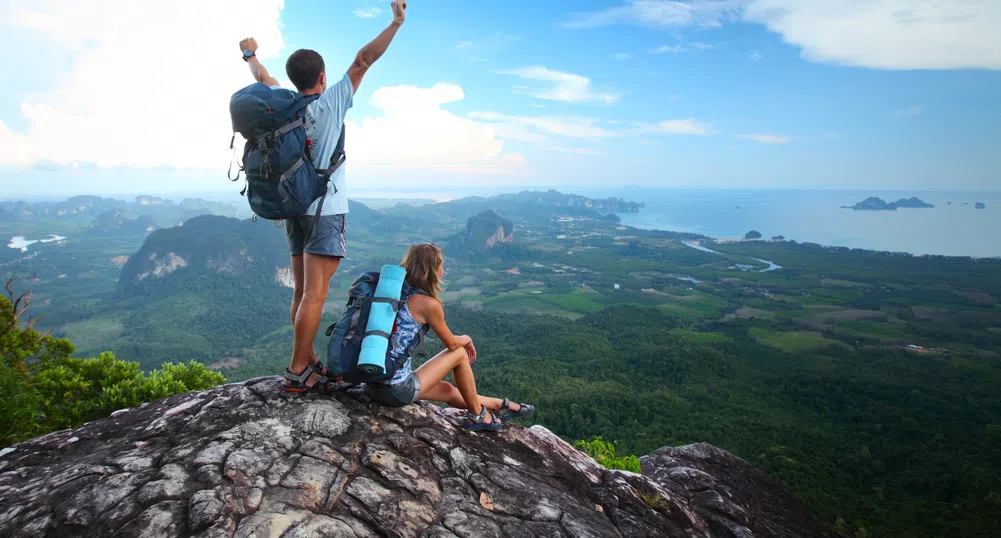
(891,94)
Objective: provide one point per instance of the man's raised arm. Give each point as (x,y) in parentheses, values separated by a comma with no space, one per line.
(375,49)
(257,69)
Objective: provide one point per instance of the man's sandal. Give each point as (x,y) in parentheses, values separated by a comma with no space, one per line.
(506,414)
(478,423)
(297,382)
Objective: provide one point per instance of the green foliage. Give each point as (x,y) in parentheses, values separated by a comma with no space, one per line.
(604,453)
(46,390)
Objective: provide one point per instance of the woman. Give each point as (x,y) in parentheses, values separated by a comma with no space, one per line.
(425,268)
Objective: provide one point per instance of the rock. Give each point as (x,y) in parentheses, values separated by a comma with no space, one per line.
(247,459)
(878,204)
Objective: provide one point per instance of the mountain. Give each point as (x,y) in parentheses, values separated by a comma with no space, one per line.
(248,459)
(209,244)
(878,204)
(121,222)
(484,231)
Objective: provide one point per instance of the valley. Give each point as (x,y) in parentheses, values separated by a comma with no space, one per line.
(863,381)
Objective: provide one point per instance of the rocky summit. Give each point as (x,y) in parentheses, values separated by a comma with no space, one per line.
(249,460)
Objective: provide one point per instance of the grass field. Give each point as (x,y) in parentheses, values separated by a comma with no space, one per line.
(792,341)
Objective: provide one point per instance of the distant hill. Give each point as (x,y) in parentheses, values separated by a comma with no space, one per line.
(878,204)
(121,222)
(209,244)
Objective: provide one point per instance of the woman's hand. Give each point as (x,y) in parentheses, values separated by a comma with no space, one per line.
(470,349)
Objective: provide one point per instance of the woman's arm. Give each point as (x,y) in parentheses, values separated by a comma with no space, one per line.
(434,315)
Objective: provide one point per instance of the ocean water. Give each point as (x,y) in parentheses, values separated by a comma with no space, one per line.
(815,216)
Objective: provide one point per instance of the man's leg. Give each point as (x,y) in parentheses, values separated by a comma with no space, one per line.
(317,272)
(299,281)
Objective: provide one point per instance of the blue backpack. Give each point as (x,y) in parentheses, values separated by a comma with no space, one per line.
(281,180)
(348,332)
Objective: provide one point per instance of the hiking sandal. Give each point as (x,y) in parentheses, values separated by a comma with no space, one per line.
(506,414)
(297,382)
(476,422)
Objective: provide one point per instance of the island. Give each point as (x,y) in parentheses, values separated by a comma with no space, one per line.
(753,234)
(878,204)
(980,205)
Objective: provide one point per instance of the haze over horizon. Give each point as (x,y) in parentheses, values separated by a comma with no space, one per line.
(887,95)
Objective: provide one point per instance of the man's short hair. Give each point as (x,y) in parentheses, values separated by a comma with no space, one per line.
(303,68)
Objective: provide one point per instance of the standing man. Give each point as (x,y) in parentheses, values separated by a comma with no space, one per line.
(315,257)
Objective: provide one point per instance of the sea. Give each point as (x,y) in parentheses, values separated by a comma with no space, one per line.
(954,227)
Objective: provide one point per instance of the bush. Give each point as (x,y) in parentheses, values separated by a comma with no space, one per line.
(46,390)
(604,453)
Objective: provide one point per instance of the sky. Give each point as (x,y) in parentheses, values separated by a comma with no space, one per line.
(115,96)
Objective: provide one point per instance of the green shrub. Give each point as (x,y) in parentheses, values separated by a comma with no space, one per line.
(46,390)
(604,453)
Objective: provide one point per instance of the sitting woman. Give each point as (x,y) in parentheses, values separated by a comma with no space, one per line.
(425,268)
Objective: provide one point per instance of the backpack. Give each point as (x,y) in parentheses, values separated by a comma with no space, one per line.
(281,180)
(347,333)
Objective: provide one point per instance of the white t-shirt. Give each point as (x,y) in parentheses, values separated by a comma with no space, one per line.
(324,119)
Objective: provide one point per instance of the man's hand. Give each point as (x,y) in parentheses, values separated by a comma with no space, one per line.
(399,11)
(257,69)
(248,44)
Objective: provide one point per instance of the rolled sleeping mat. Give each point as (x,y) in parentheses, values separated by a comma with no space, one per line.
(381,317)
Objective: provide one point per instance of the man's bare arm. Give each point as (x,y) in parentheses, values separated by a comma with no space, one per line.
(257,69)
(377,47)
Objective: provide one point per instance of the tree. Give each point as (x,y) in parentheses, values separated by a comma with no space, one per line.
(46,390)
(753,234)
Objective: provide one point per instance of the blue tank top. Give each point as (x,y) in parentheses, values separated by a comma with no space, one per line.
(404,334)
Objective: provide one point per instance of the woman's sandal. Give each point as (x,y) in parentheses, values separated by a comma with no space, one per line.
(297,382)
(506,414)
(477,423)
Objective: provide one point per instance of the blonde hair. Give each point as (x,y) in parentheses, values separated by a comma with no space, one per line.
(422,262)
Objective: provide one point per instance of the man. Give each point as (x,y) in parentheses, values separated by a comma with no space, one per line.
(315,257)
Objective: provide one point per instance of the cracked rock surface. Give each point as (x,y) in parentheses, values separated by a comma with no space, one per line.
(249,460)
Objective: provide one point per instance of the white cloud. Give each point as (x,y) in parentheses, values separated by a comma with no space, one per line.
(476,50)
(766,138)
(888,34)
(622,56)
(659,13)
(664,49)
(120,106)
(682,47)
(573,151)
(414,131)
(367,12)
(881,34)
(560,86)
(537,129)
(755,55)
(688,127)
(911,112)
(172,111)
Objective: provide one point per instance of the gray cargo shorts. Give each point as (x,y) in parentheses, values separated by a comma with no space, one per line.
(329,239)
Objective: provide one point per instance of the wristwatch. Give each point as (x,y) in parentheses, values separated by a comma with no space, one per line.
(248,54)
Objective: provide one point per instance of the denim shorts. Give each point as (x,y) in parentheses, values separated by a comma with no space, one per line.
(398,395)
(329,239)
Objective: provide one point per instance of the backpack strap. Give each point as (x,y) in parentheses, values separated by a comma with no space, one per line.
(336,160)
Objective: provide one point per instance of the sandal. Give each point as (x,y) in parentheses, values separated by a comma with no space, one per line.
(506,414)
(297,382)
(477,422)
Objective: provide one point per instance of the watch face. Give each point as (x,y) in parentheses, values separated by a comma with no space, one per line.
(248,53)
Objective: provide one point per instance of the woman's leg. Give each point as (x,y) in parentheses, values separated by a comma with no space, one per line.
(433,371)
(446,392)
